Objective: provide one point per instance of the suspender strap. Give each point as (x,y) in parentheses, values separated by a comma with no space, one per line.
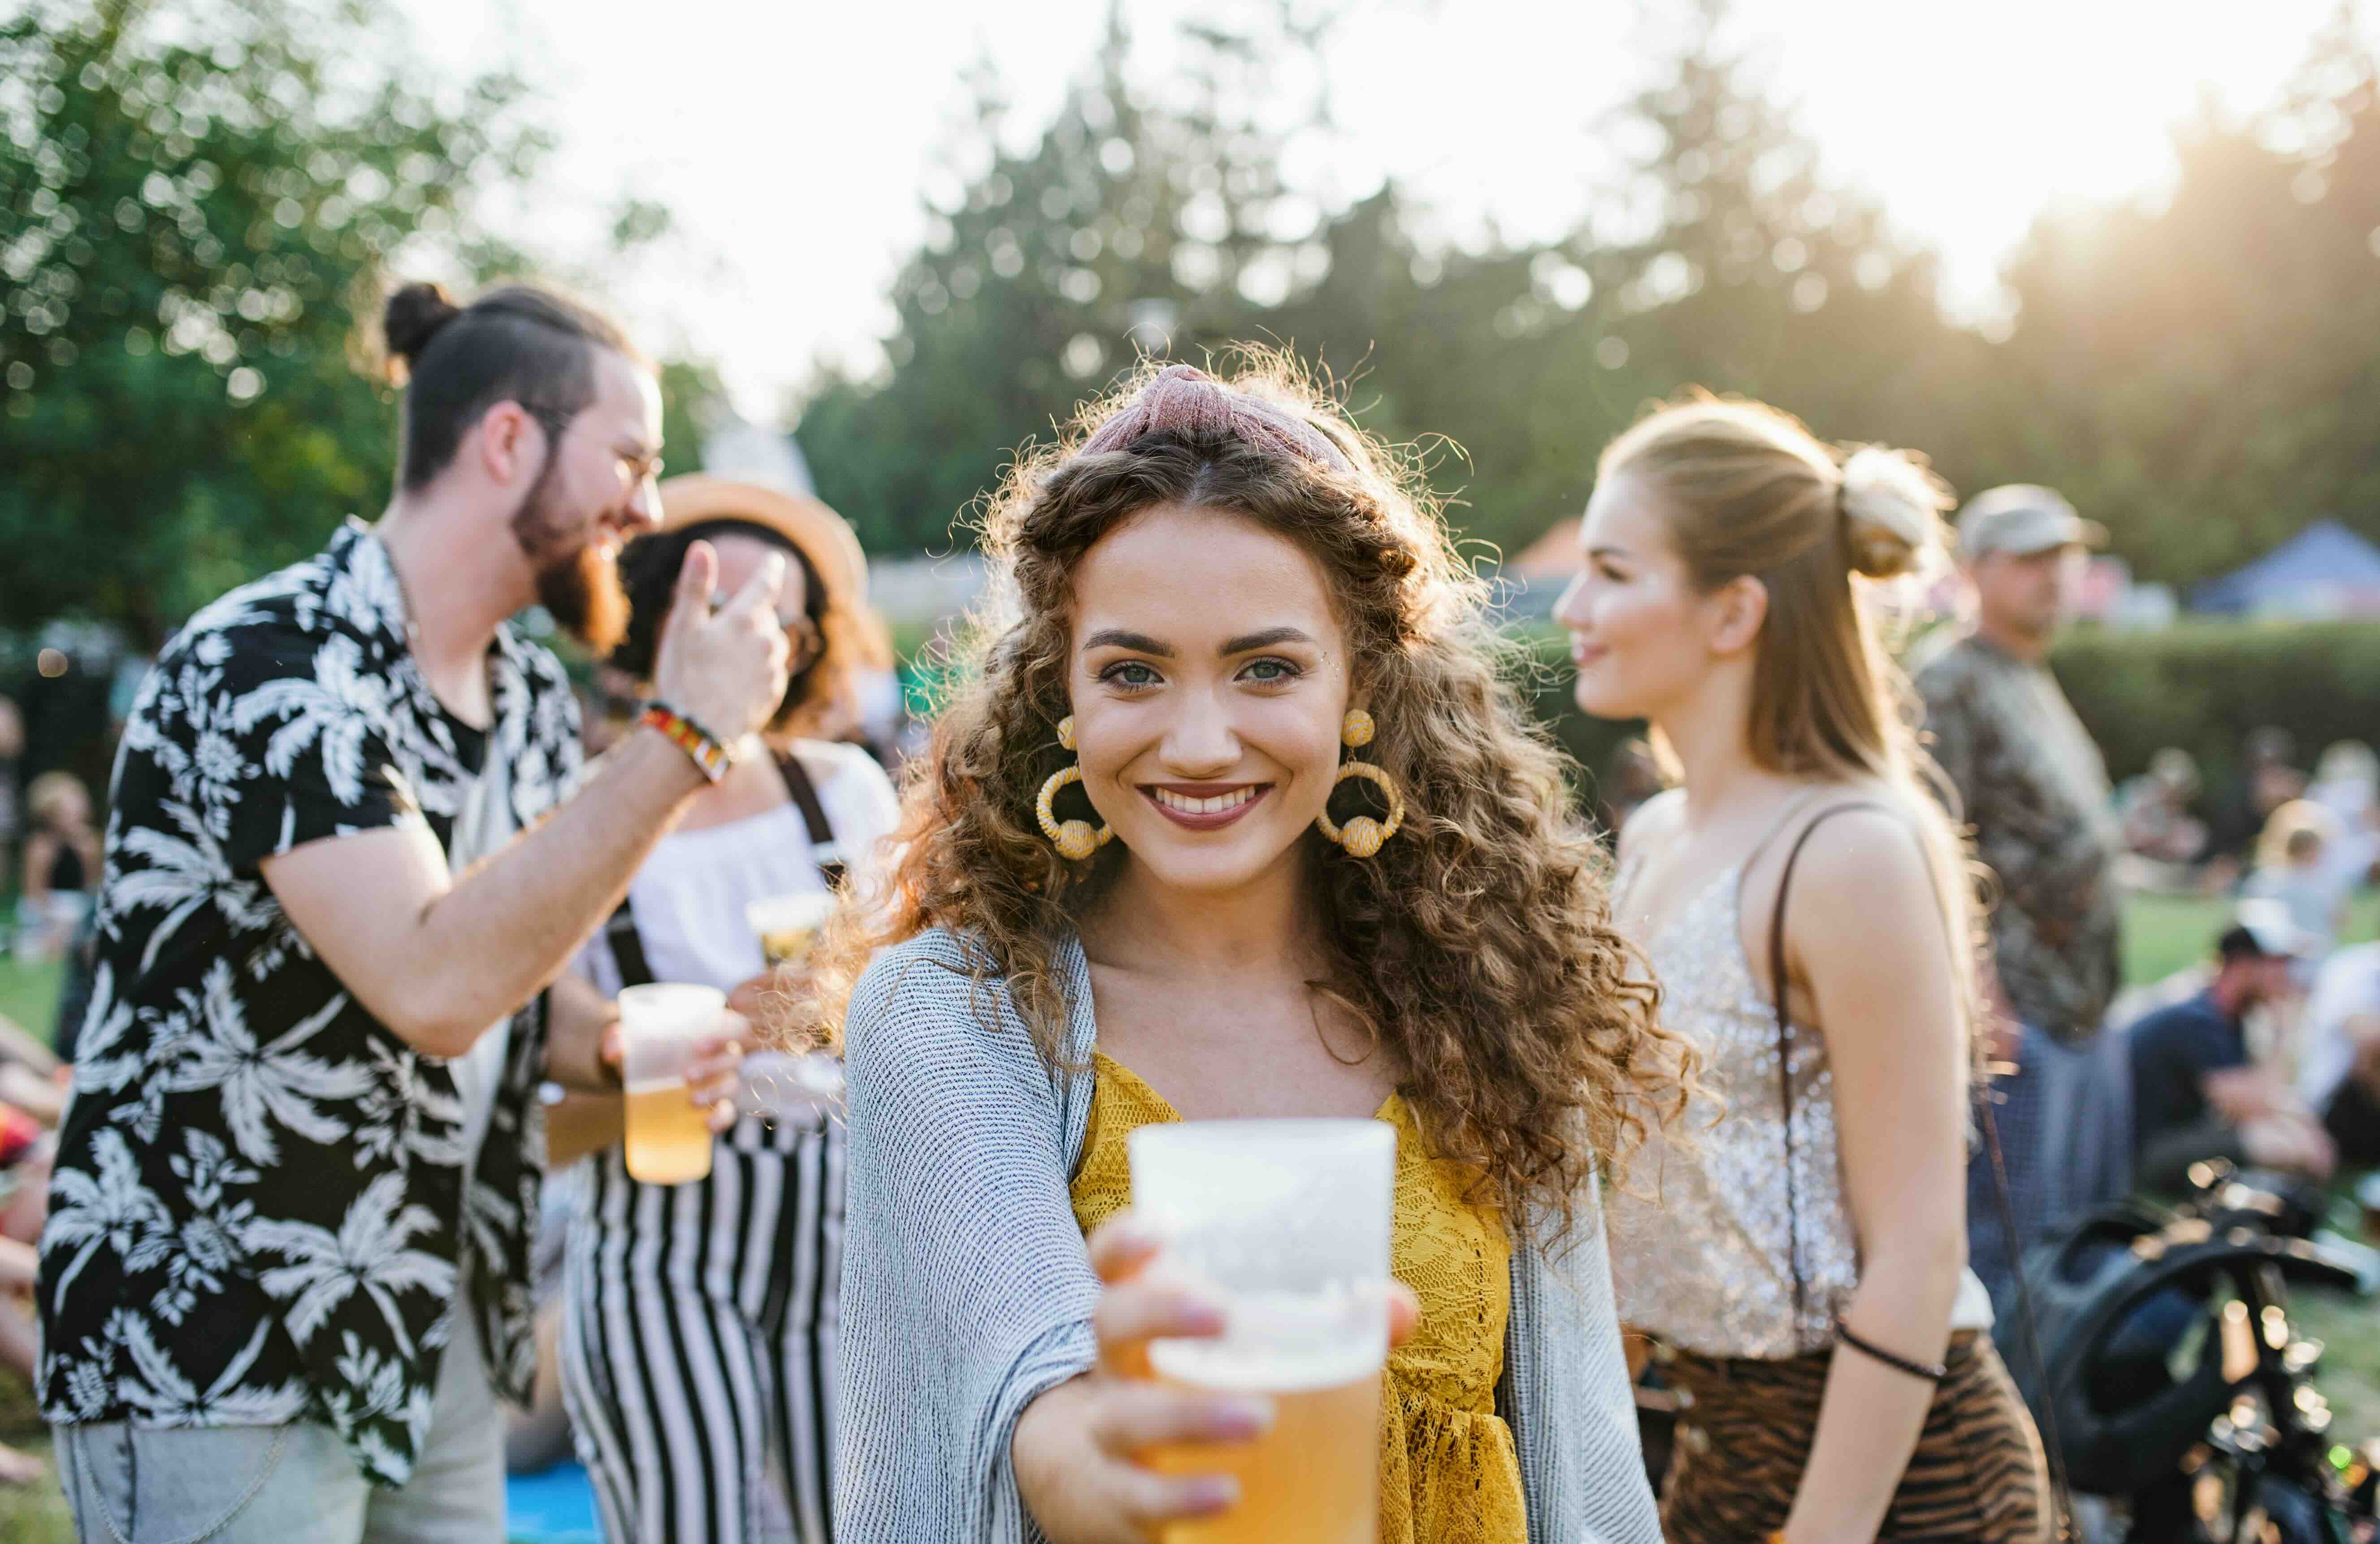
(825,851)
(1785,1044)
(628,944)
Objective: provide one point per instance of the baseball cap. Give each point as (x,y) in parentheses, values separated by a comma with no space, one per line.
(2263,929)
(2021,519)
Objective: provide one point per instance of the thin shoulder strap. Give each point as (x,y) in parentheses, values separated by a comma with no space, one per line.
(824,849)
(1777,1000)
(627,946)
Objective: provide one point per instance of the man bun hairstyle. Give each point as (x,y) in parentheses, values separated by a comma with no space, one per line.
(517,342)
(414,315)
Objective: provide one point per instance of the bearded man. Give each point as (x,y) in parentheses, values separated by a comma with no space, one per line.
(285,1270)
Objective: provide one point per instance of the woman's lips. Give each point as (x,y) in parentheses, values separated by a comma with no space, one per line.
(1204,808)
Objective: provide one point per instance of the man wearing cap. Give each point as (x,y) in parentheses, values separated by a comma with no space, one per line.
(2034,787)
(284,1277)
(2197,1094)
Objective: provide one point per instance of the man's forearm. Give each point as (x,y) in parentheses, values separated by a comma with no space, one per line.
(508,926)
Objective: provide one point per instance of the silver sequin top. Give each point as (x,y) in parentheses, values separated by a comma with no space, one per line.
(1700,1230)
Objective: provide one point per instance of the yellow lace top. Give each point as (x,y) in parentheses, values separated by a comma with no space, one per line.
(1449,1471)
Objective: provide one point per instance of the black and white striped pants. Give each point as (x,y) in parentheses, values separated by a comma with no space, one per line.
(697,1342)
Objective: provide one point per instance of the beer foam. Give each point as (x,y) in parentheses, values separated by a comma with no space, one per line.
(654,1086)
(1229,1369)
(1284,1342)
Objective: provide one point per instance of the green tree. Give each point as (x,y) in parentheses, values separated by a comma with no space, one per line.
(1745,272)
(199,201)
(692,394)
(2199,372)
(1759,272)
(1129,224)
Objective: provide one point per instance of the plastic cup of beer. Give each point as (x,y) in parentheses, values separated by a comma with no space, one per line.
(789,925)
(1284,1224)
(669,1137)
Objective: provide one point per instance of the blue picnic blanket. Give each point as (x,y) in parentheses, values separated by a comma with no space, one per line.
(555,1505)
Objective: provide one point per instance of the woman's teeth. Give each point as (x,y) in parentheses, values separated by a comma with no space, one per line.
(1215,806)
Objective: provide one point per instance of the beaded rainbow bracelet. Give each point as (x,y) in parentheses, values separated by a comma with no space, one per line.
(701,746)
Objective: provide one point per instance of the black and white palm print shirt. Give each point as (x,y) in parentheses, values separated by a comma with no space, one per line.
(261,1208)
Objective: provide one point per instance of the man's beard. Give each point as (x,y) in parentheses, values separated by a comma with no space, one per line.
(578,586)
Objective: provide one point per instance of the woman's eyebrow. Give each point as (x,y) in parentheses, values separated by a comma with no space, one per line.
(1247,643)
(1117,638)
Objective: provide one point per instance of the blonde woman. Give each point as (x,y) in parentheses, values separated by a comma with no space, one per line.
(61,861)
(1225,596)
(1800,1260)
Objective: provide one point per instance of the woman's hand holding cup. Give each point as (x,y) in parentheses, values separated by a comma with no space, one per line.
(1077,1448)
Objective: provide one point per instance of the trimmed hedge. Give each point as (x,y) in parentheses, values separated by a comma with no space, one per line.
(2203,685)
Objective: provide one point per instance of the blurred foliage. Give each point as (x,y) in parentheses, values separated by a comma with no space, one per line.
(2198,373)
(200,208)
(200,201)
(2202,373)
(691,393)
(2204,685)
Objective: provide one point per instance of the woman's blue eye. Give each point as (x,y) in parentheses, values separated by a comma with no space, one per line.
(1130,672)
(1270,672)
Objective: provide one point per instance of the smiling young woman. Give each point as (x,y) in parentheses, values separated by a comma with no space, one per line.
(1237,817)
(1808,906)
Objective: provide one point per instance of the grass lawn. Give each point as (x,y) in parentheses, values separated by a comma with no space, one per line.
(30,993)
(2162,935)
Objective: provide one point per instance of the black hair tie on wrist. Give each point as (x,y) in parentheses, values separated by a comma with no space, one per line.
(1931,1373)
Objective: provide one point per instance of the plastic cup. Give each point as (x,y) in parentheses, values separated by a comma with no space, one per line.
(1286,1225)
(669,1138)
(789,925)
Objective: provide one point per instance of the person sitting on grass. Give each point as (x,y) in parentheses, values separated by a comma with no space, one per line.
(2196,1092)
(61,868)
(2339,1073)
(2294,867)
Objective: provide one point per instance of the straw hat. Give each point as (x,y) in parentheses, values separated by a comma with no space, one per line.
(825,537)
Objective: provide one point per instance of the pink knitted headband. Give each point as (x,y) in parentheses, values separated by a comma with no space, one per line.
(1185,400)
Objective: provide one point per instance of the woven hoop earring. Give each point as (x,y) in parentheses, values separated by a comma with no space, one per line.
(1076,840)
(1363,836)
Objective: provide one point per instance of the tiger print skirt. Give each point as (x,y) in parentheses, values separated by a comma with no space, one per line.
(1744,1435)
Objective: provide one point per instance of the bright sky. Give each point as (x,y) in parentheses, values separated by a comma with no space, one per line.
(792,137)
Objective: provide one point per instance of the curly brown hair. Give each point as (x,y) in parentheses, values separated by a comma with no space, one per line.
(1476,945)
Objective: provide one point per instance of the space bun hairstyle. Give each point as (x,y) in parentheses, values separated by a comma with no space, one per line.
(518,343)
(1892,508)
(1746,491)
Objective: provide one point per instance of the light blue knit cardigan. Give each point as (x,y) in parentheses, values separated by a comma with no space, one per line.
(966,1292)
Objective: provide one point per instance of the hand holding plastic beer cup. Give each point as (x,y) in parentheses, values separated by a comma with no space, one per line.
(1077,1449)
(680,1053)
(1248,1311)
(781,1005)
(788,926)
(725,670)
(1283,1225)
